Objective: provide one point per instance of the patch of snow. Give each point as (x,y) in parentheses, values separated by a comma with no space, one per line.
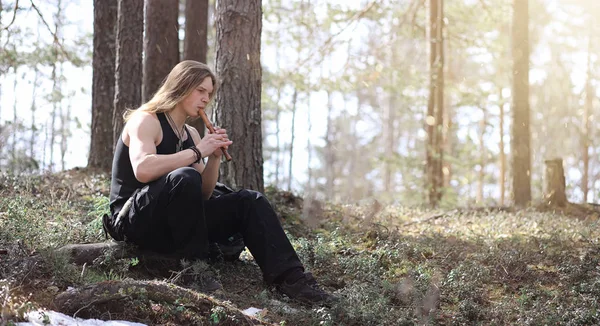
(53,318)
(252,312)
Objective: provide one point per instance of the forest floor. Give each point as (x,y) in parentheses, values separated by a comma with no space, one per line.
(389,265)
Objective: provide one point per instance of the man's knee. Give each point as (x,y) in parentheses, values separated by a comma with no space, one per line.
(256,200)
(251,195)
(186,176)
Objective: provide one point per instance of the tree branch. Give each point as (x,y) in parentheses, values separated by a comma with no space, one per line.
(56,40)
(14,16)
(329,40)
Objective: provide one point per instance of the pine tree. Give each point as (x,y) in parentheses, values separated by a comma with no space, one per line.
(128,68)
(238,99)
(521,139)
(161,43)
(103,84)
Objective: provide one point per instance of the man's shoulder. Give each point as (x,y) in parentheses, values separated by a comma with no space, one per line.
(146,121)
(143,117)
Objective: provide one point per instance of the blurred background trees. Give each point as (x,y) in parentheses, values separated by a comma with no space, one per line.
(346,95)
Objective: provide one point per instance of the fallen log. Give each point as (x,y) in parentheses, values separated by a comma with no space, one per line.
(108,296)
(87,253)
(91,254)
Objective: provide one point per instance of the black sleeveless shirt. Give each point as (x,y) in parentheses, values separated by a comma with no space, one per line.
(123,182)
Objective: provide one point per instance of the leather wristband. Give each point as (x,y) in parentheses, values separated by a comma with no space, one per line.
(198,154)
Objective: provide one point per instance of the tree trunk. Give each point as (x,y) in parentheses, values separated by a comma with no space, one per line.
(329,153)
(277,135)
(15,128)
(64,116)
(439,102)
(448,130)
(63,123)
(55,90)
(389,132)
(311,207)
(211,52)
(555,183)
(435,108)
(103,84)
(502,177)
(195,44)
(238,109)
(128,68)
(290,173)
(65,131)
(448,141)
(278,111)
(482,153)
(309,181)
(355,154)
(56,83)
(45,147)
(161,43)
(589,98)
(34,130)
(389,139)
(1,82)
(521,138)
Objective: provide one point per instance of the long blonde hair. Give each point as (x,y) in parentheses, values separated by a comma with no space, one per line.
(181,81)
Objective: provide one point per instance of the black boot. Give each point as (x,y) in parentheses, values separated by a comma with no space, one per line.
(306,290)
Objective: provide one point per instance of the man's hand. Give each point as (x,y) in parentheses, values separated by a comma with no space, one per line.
(222,136)
(211,144)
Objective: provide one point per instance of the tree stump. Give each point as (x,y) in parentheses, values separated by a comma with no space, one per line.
(555,183)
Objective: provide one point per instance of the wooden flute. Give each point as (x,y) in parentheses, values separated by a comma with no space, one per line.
(211,129)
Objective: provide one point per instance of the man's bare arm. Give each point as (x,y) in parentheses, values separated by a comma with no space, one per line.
(210,172)
(143,130)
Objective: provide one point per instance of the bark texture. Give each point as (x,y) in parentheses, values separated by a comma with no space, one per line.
(161,43)
(195,44)
(555,183)
(238,101)
(128,70)
(103,84)
(435,107)
(520,140)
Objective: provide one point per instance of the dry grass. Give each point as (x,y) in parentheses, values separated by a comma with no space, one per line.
(389,265)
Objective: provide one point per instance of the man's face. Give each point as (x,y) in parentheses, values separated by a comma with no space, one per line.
(198,98)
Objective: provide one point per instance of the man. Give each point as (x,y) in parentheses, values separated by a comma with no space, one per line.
(161,188)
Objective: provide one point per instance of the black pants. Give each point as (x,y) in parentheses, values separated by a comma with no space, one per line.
(168,215)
